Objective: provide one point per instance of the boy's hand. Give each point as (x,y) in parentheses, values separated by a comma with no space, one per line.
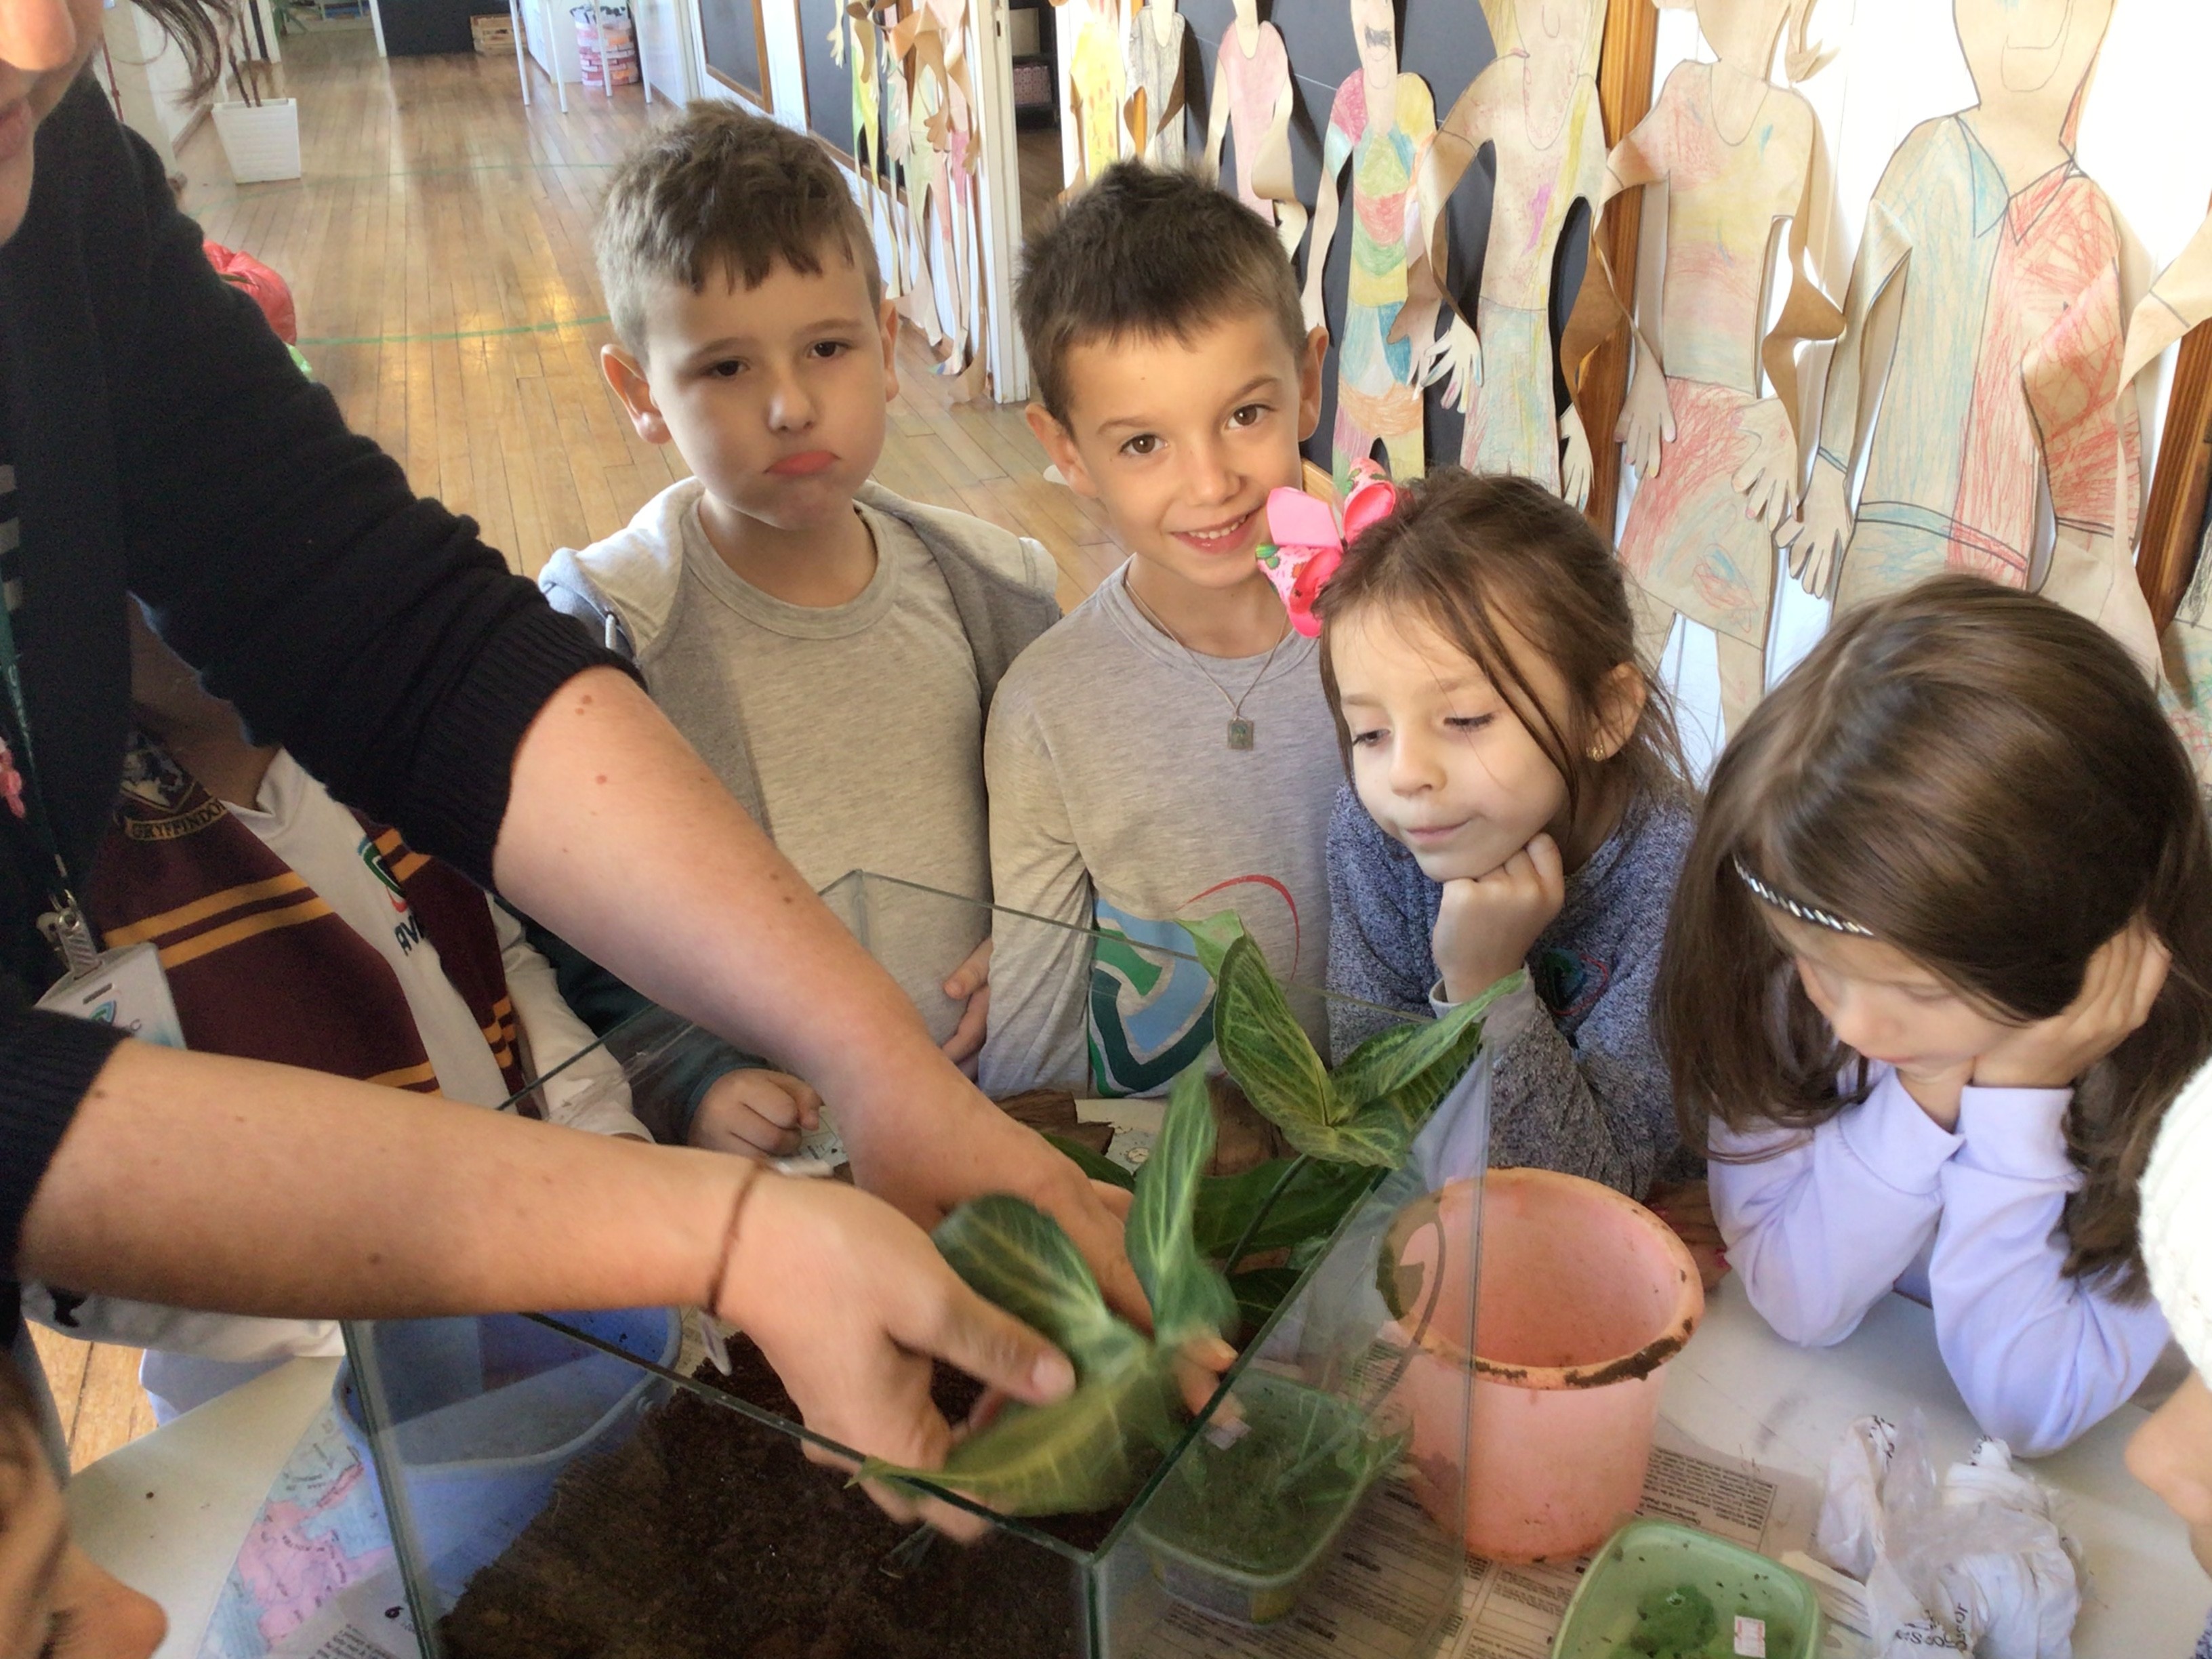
(970,983)
(755,1114)
(2123,980)
(1487,923)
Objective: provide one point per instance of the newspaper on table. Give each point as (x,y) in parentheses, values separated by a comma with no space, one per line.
(1386,1577)
(316,1577)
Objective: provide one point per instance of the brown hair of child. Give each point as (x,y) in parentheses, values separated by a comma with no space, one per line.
(1983,781)
(1147,253)
(721,193)
(1475,555)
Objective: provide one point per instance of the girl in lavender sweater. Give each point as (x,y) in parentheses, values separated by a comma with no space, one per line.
(1516,800)
(1941,958)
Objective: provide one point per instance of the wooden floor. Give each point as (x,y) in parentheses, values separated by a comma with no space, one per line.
(439,250)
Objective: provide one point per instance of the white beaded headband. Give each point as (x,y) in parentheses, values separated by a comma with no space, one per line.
(1790,907)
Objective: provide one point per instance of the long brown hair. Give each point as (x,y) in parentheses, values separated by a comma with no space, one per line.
(1473,554)
(199,28)
(1983,781)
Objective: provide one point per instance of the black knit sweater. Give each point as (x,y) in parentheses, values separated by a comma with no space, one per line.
(165,446)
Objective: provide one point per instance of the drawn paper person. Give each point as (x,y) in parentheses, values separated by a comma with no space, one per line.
(857,23)
(1094,78)
(1252,101)
(1999,260)
(1536,106)
(1379,121)
(898,153)
(1716,458)
(1156,96)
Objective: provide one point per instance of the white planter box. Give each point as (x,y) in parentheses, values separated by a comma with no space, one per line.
(261,141)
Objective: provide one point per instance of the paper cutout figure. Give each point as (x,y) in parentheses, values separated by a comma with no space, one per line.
(1252,101)
(897,112)
(1999,259)
(1379,121)
(1717,459)
(1536,106)
(2179,300)
(853,48)
(926,50)
(1094,78)
(1156,94)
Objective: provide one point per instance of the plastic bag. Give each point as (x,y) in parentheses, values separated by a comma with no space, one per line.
(1977,1565)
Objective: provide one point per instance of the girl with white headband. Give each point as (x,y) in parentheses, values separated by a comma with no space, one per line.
(1938,963)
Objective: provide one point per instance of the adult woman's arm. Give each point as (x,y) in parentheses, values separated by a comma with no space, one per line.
(211,1183)
(619,837)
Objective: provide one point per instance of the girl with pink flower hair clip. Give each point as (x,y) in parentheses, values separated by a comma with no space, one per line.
(1516,811)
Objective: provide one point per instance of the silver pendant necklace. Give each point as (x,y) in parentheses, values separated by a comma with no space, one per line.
(1243,735)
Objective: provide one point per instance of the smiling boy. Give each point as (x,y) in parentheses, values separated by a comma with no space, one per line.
(1165,752)
(827,647)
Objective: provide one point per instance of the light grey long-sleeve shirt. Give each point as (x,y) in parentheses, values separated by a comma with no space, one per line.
(1117,803)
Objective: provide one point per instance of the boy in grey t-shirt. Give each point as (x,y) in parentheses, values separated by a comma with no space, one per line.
(1166,752)
(829,648)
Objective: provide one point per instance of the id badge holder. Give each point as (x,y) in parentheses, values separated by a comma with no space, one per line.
(124,988)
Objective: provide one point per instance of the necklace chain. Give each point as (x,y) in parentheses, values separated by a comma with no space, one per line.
(1241,732)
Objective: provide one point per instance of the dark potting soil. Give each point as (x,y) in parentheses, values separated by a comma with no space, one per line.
(709,1537)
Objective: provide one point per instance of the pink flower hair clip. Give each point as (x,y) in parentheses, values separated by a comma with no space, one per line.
(1309,534)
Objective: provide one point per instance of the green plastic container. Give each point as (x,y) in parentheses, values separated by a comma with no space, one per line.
(1648,1559)
(1251,1572)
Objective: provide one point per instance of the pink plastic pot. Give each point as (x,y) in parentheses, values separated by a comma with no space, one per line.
(1584,1297)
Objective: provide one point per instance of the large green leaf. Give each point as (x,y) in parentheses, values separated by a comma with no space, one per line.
(1310,1207)
(1085,1452)
(1416,1063)
(1188,1295)
(1211,938)
(1263,1046)
(1094,1164)
(1012,1253)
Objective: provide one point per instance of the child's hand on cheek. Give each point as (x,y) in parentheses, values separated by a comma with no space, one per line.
(1487,923)
(2123,980)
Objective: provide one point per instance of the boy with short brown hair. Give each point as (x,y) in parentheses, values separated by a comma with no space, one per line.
(829,648)
(1166,752)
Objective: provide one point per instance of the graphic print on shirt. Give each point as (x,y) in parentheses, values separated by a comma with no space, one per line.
(1152,1013)
(1569,983)
(407,931)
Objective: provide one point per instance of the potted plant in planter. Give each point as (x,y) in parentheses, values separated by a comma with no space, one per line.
(260,135)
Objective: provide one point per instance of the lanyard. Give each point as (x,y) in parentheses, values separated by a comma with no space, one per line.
(63,924)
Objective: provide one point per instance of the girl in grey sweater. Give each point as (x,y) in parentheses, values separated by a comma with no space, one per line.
(1516,800)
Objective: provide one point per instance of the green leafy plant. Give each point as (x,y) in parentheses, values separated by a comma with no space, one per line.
(1094,1448)
(1345,1124)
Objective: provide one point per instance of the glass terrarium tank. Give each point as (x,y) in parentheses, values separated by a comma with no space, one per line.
(637,1483)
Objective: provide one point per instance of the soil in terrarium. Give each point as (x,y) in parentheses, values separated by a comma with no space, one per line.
(708,1537)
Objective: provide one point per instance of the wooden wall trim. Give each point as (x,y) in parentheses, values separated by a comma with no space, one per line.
(2173,522)
(1624,86)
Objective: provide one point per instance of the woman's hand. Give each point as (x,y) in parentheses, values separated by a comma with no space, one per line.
(2123,980)
(850,1301)
(1487,924)
(755,1114)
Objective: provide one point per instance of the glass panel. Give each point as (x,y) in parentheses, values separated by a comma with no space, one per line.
(593,1485)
